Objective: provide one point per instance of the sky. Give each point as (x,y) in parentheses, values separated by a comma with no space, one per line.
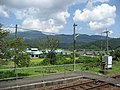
(58,16)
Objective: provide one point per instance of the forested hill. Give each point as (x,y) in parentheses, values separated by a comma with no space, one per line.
(32,35)
(66,41)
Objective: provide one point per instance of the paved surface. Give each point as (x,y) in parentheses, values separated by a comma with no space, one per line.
(26,81)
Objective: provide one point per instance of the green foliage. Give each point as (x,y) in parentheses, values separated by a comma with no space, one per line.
(12,49)
(17,52)
(50,43)
(87,60)
(115,54)
(3,43)
(50,58)
(60,59)
(68,61)
(11,74)
(22,60)
(7,74)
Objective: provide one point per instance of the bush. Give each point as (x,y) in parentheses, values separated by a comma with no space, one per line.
(115,54)
(60,59)
(87,60)
(50,59)
(7,74)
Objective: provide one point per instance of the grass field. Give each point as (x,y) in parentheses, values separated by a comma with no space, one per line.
(53,69)
(36,60)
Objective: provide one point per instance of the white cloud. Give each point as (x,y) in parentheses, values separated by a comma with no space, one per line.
(61,17)
(102,16)
(3,12)
(40,11)
(111,32)
(90,4)
(44,26)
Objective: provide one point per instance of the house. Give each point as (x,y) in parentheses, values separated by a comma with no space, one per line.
(58,51)
(34,52)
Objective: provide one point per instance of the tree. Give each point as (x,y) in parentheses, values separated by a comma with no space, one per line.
(51,44)
(13,49)
(3,43)
(17,52)
(115,54)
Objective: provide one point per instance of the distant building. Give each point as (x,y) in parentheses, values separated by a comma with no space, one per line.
(91,53)
(59,51)
(34,52)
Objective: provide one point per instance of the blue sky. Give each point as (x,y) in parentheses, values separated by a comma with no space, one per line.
(58,16)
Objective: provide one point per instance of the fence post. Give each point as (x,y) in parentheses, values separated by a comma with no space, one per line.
(64,71)
(16,76)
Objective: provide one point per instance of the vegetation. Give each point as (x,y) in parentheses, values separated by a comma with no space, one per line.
(13,49)
(17,52)
(65,41)
(51,44)
(59,69)
(115,54)
(12,52)
(3,43)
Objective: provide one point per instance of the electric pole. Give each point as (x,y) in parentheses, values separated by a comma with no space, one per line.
(74,48)
(16,31)
(15,45)
(107,32)
(15,66)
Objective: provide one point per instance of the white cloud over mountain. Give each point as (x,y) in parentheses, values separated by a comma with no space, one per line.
(51,15)
(100,17)
(37,13)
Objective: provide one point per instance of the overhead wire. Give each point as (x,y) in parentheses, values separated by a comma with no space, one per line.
(28,29)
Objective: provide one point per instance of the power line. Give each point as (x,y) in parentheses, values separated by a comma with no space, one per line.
(27,29)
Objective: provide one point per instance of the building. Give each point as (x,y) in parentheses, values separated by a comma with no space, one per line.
(34,52)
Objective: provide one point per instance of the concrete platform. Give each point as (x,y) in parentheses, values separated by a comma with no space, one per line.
(30,83)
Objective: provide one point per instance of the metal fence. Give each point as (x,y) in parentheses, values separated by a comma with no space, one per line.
(38,71)
(17,76)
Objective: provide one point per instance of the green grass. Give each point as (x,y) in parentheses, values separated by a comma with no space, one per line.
(58,69)
(115,68)
(37,60)
(10,64)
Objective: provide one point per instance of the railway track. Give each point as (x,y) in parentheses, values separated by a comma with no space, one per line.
(116,77)
(85,85)
(91,86)
(88,82)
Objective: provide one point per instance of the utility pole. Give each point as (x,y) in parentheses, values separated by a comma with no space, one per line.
(74,49)
(15,45)
(16,31)
(107,32)
(15,55)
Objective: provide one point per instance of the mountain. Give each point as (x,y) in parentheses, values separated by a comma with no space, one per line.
(66,41)
(81,38)
(28,35)
(32,35)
